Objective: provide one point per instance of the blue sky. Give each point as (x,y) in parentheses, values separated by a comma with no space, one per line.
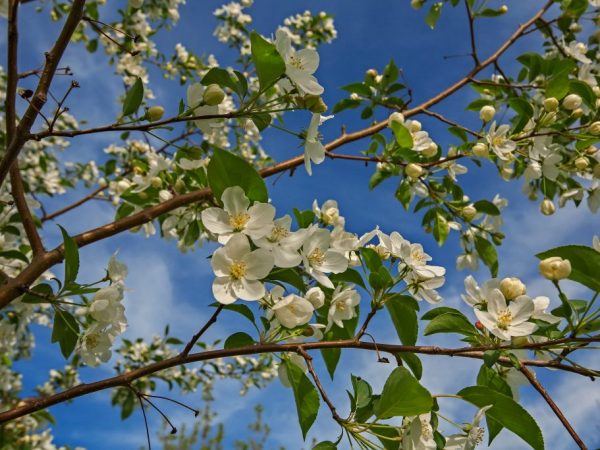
(168,287)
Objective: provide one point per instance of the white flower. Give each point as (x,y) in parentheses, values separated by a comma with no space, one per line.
(283,243)
(117,271)
(191,164)
(414,258)
(467,261)
(419,435)
(314,150)
(299,65)
(478,296)
(315,296)
(329,213)
(238,270)
(293,311)
(318,258)
(474,436)
(577,50)
(237,217)
(544,159)
(343,306)
(106,305)
(596,243)
(195,97)
(506,321)
(425,288)
(498,141)
(541,304)
(292,358)
(94,346)
(594,200)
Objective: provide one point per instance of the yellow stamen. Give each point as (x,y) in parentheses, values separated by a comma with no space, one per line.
(238,221)
(237,270)
(316,257)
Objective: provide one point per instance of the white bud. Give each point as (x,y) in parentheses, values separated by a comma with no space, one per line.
(555,268)
(487,113)
(572,102)
(596,171)
(165,195)
(155,113)
(431,150)
(417,4)
(395,117)
(213,95)
(468,212)
(512,288)
(547,207)
(480,149)
(414,126)
(414,171)
(503,9)
(582,163)
(316,297)
(595,128)
(136,3)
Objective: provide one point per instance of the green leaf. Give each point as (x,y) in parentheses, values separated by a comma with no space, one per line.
(134,98)
(584,91)
(346,103)
(362,391)
(585,263)
(239,339)
(413,362)
(489,12)
(524,112)
(261,120)
(42,289)
(65,331)
(219,76)
(450,323)
(289,276)
(358,88)
(325,445)
(267,60)
(433,15)
(226,169)
(71,257)
(404,317)
(507,412)
(403,136)
(306,396)
(14,254)
(487,207)
(349,276)
(441,229)
(487,253)
(238,308)
(388,435)
(371,259)
(304,218)
(403,395)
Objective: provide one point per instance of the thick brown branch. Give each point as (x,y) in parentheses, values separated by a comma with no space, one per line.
(538,387)
(39,97)
(125,379)
(18,194)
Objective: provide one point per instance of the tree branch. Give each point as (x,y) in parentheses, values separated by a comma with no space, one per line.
(199,334)
(538,387)
(317,381)
(31,405)
(39,98)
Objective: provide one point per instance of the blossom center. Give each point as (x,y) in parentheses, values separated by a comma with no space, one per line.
(316,257)
(426,429)
(278,234)
(498,141)
(237,270)
(91,341)
(504,319)
(418,256)
(296,62)
(238,221)
(477,434)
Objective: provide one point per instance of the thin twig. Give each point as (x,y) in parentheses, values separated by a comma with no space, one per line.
(197,336)
(471,19)
(538,387)
(317,381)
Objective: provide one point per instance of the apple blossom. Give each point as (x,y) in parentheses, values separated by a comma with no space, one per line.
(419,434)
(314,150)
(541,303)
(238,269)
(424,288)
(499,142)
(237,216)
(117,271)
(315,296)
(94,346)
(318,258)
(343,306)
(283,243)
(328,213)
(506,321)
(299,65)
(474,435)
(477,296)
(195,100)
(292,311)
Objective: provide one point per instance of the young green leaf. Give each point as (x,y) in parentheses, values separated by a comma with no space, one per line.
(403,395)
(71,257)
(134,98)
(404,317)
(267,60)
(65,331)
(306,396)
(239,339)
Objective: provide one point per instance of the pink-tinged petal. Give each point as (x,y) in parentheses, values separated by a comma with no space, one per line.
(521,309)
(250,290)
(237,247)
(216,221)
(522,329)
(234,200)
(220,262)
(223,291)
(334,262)
(258,264)
(496,302)
(309,59)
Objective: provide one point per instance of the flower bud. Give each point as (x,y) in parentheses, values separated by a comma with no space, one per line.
(591,150)
(479,326)
(480,149)
(596,90)
(547,207)
(596,171)
(503,9)
(417,4)
(548,119)
(468,212)
(551,104)
(414,126)
(582,163)
(575,27)
(164,195)
(487,113)
(315,104)
(156,182)
(555,268)
(371,73)
(180,186)
(395,117)
(571,102)
(577,113)
(512,288)
(213,95)
(595,128)
(155,113)
(431,150)
(136,3)
(414,171)
(316,297)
